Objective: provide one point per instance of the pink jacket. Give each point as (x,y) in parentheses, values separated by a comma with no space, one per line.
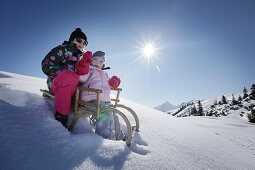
(98,79)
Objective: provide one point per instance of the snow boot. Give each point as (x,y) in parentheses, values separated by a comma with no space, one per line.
(63,119)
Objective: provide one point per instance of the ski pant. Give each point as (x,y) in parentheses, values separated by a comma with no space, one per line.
(108,125)
(63,87)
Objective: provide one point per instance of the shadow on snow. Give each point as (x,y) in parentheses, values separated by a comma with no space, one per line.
(32,139)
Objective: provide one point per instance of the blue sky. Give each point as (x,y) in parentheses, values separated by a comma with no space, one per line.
(205,47)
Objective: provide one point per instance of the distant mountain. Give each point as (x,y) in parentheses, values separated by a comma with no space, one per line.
(186,106)
(216,107)
(165,107)
(233,103)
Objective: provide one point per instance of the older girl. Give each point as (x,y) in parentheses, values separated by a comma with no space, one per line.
(60,67)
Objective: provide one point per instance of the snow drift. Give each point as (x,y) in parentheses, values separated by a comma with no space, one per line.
(30,138)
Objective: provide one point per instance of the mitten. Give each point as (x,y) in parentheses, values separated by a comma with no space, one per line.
(83,65)
(87,57)
(114,82)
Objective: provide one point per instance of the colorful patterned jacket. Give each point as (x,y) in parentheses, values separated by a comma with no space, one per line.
(62,57)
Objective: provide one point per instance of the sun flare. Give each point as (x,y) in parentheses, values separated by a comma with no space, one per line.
(149,53)
(148,50)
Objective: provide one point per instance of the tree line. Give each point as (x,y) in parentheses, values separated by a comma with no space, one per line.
(198,111)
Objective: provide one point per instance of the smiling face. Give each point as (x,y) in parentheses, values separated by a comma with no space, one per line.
(98,62)
(79,44)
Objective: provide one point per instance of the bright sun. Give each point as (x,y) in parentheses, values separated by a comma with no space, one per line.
(148,50)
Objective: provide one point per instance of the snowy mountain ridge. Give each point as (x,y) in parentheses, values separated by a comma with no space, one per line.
(168,107)
(165,107)
(30,137)
(217,107)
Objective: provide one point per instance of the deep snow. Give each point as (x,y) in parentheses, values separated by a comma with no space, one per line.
(30,138)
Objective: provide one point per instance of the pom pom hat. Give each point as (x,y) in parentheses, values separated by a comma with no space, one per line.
(78,34)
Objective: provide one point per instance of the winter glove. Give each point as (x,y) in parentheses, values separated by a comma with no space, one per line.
(83,65)
(114,82)
(87,56)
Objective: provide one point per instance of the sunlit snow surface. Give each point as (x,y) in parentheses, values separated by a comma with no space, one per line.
(30,138)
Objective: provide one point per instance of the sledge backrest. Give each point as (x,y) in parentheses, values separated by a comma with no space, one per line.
(97,104)
(79,101)
(116,100)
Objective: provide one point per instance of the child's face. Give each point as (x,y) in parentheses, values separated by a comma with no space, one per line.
(80,43)
(98,62)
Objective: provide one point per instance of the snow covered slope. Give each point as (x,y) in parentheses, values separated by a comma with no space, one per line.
(30,138)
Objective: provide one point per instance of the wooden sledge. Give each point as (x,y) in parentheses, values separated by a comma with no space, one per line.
(80,110)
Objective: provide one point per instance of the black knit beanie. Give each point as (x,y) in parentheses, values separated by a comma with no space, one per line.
(78,34)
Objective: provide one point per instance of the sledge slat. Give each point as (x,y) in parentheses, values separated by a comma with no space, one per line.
(76,100)
(90,89)
(47,93)
(87,103)
(98,105)
(116,89)
(115,100)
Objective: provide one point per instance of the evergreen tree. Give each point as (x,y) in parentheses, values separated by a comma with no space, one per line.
(215,102)
(200,109)
(253,87)
(251,116)
(193,111)
(234,101)
(245,93)
(224,100)
(252,94)
(210,113)
(223,113)
(251,107)
(240,99)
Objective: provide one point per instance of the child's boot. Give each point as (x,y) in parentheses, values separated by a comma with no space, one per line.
(63,119)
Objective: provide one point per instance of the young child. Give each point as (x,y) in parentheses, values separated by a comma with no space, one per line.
(60,67)
(97,78)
